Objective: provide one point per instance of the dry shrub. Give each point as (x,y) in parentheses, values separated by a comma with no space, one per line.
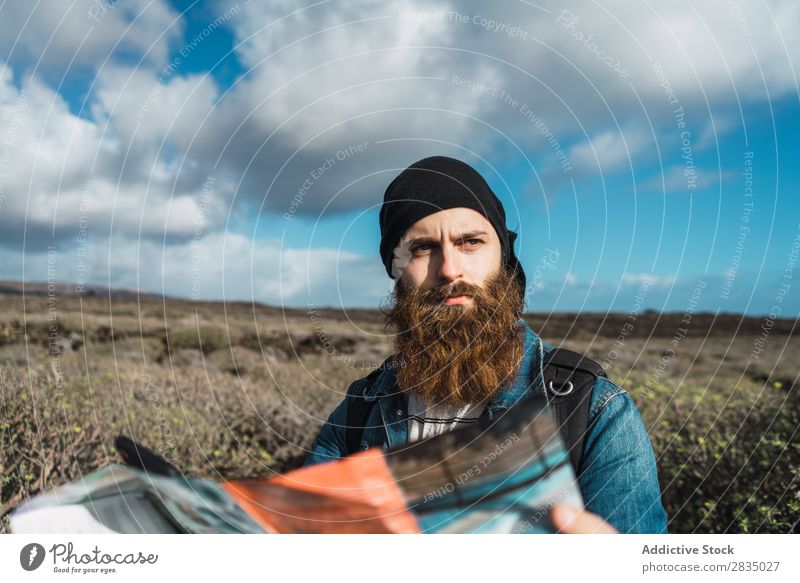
(221,397)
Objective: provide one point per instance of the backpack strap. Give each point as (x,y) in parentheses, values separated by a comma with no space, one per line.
(569,378)
(359,408)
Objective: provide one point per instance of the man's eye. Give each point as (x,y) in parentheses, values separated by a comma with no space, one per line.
(473,242)
(422,247)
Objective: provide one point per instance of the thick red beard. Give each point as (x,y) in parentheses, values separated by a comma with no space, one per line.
(460,353)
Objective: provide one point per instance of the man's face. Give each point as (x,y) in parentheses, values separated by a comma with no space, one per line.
(452,246)
(455,310)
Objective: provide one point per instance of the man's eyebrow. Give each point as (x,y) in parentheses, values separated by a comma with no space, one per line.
(454,238)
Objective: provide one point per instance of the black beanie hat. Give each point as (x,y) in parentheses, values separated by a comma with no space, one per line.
(435,184)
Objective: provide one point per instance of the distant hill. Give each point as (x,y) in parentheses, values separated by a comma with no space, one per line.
(652,323)
(41,288)
(648,323)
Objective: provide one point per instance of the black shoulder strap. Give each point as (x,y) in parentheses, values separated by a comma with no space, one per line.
(569,378)
(358,410)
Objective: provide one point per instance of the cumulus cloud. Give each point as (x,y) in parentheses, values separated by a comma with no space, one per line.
(56,35)
(510,80)
(64,169)
(216,266)
(535,85)
(336,98)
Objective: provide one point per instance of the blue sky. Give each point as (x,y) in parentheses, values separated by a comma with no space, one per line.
(160,145)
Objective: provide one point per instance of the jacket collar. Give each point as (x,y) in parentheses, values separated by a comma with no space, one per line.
(530,377)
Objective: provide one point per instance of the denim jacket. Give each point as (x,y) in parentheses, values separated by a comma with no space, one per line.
(617,478)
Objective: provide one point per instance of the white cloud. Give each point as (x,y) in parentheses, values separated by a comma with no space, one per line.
(714,130)
(343,74)
(349,62)
(146,109)
(220,265)
(335,75)
(609,150)
(54,34)
(68,169)
(676,179)
(648,279)
(327,75)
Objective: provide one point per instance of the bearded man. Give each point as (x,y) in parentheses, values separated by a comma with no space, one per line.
(463,350)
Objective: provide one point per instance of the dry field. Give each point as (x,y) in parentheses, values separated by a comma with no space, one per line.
(234,390)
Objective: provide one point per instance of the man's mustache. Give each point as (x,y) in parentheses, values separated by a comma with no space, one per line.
(440,293)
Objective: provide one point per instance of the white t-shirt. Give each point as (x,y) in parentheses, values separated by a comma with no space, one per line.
(424,422)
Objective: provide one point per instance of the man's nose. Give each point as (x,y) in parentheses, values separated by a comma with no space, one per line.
(450,267)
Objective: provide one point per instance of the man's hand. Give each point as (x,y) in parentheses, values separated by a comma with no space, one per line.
(569,520)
